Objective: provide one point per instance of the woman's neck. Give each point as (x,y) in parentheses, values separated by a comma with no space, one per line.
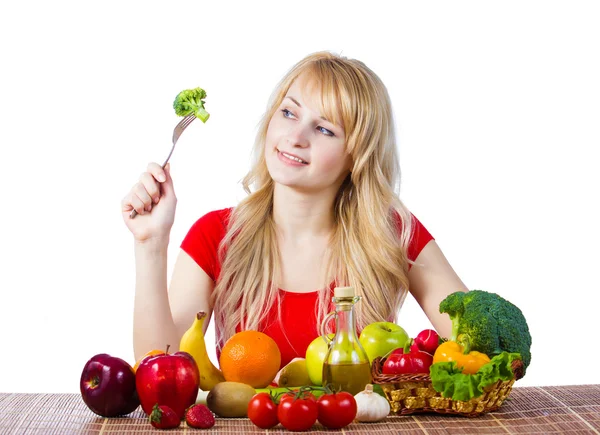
(299,215)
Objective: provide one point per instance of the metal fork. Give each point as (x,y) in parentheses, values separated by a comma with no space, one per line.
(179,128)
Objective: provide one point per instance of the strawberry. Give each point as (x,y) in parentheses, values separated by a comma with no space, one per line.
(199,416)
(163,417)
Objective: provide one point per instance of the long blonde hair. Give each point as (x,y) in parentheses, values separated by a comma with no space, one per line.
(366,249)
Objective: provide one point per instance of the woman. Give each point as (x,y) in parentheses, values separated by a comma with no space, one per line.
(322,211)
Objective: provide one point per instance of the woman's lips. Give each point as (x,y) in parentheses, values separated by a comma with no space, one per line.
(289,161)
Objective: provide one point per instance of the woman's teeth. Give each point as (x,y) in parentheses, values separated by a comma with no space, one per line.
(293,158)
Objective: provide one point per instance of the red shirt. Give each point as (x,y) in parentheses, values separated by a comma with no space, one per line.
(295,332)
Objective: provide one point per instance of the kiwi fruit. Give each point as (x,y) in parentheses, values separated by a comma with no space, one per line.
(230,399)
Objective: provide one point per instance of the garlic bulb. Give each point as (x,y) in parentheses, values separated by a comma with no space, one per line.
(371,406)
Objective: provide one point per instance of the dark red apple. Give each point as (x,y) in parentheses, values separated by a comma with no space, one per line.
(108,386)
(170,379)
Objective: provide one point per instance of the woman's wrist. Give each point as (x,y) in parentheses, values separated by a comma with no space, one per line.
(152,245)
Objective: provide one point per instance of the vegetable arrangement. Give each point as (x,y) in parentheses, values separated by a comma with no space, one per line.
(484,325)
(489,334)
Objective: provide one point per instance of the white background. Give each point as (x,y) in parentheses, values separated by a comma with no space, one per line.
(497,110)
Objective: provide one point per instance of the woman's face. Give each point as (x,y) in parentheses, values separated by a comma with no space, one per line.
(303,150)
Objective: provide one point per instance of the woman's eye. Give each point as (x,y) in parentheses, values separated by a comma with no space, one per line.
(287,113)
(325,131)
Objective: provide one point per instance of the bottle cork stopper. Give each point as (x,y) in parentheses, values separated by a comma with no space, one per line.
(344,292)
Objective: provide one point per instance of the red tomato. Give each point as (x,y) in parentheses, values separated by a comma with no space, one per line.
(336,410)
(298,413)
(262,411)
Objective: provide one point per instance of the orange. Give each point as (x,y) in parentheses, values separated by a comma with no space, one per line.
(250,357)
(150,353)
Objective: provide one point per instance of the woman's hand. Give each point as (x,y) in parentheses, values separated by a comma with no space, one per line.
(153,198)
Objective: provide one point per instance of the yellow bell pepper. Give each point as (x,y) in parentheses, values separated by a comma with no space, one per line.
(469,362)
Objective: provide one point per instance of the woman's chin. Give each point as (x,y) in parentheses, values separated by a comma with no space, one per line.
(286,182)
(284,177)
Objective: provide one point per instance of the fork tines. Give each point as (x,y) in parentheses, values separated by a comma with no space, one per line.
(182,126)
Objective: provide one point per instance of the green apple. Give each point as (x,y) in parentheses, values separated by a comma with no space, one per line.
(380,338)
(315,356)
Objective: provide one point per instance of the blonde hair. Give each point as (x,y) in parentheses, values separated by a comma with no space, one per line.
(366,249)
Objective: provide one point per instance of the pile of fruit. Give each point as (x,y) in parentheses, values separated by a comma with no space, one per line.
(488,333)
(166,385)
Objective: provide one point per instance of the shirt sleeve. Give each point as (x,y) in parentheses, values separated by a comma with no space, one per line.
(420,238)
(203,239)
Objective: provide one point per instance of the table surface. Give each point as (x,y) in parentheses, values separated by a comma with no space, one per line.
(529,410)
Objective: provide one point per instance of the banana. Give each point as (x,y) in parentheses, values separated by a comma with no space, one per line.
(193,343)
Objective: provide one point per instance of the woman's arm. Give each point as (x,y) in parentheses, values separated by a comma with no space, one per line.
(431,280)
(189,293)
(161,317)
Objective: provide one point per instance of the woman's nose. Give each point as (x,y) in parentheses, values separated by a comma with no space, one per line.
(298,136)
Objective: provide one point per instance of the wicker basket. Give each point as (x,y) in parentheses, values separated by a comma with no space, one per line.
(409,394)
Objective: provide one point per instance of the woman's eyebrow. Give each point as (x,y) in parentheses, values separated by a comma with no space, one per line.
(299,105)
(294,100)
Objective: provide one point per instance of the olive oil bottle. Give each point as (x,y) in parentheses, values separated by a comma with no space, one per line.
(346,364)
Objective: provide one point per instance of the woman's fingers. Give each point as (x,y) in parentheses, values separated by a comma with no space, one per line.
(151,187)
(147,191)
(126,205)
(134,202)
(142,194)
(157,171)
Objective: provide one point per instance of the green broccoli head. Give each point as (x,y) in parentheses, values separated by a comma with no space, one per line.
(490,323)
(191,102)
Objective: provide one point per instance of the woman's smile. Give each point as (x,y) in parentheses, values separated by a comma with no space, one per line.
(290,159)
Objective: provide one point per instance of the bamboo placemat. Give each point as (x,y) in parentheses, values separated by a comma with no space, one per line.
(529,410)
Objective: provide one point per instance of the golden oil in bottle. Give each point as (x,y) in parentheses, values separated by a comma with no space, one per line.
(346,364)
(348,377)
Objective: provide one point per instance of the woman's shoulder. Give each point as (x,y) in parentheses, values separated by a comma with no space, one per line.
(218,217)
(419,235)
(204,237)
(212,224)
(221,215)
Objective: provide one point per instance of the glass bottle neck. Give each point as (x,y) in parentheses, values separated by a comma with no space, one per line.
(345,319)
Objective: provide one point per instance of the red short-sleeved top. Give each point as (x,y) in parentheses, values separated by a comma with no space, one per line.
(295,332)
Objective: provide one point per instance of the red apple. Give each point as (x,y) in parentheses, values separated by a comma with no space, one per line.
(170,379)
(108,386)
